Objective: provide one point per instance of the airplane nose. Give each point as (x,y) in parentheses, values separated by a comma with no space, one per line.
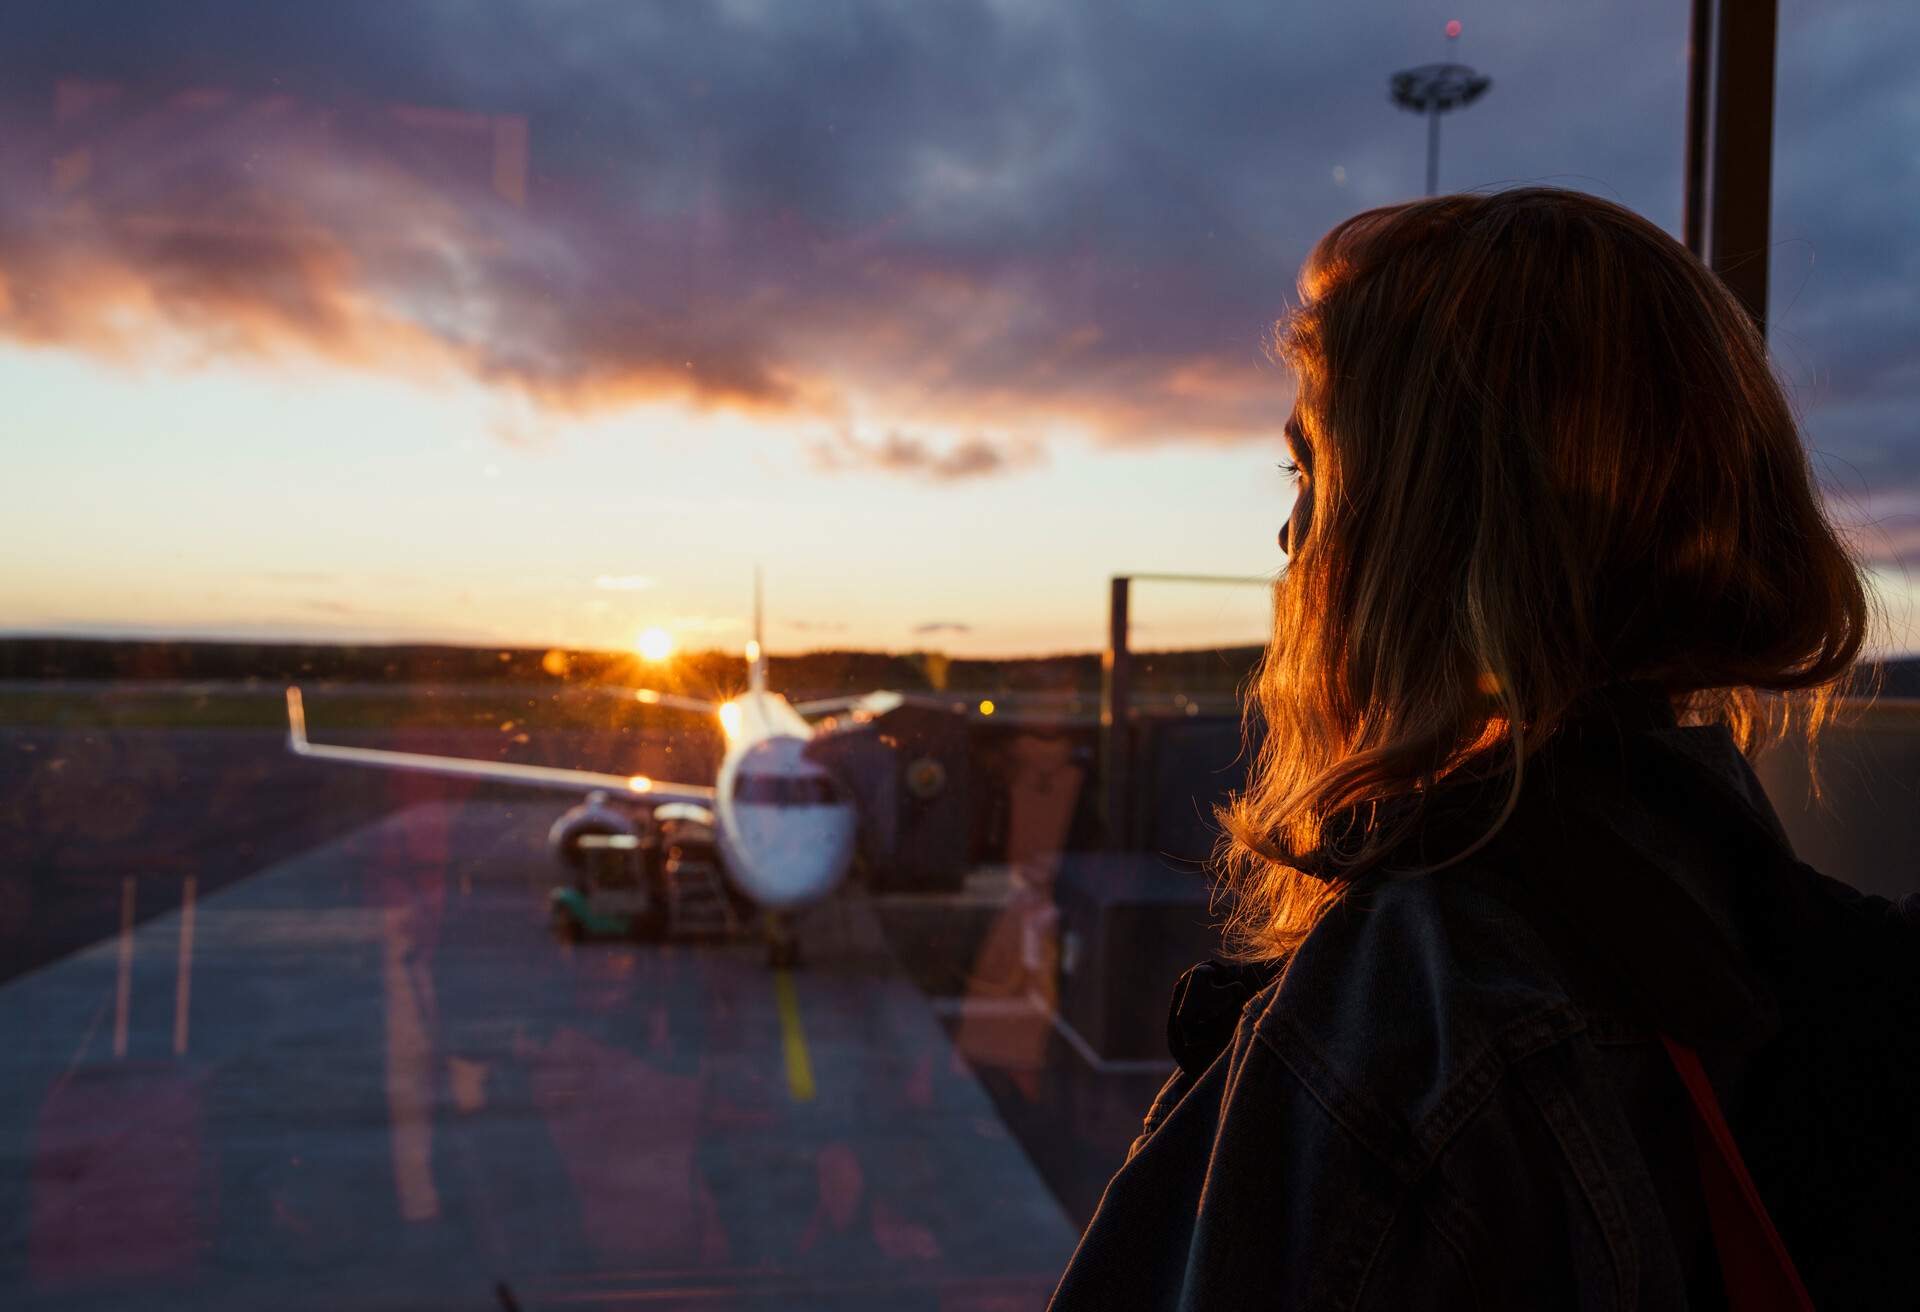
(786,858)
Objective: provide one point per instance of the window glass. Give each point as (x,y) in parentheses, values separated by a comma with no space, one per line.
(1845,253)
(562,398)
(1842,330)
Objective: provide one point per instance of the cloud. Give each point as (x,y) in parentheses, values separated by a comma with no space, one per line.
(900,453)
(943,626)
(623,582)
(146,224)
(976,226)
(793,245)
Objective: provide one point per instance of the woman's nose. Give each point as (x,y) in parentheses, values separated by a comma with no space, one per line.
(1295,525)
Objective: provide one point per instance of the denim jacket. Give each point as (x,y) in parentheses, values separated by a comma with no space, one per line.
(1455,1095)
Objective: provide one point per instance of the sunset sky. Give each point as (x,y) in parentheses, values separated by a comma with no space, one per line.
(543,323)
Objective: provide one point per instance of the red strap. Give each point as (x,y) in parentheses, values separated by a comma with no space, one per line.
(1759,1275)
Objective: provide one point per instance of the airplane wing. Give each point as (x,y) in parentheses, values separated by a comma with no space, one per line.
(672,700)
(879,703)
(499,772)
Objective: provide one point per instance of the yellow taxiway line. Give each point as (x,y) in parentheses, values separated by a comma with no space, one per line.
(792,1038)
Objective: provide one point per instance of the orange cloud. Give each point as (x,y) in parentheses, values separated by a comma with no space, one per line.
(207,227)
(902,453)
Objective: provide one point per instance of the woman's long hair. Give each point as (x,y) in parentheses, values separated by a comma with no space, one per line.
(1545,455)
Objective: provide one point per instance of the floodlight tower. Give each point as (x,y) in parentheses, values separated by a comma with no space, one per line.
(1433,89)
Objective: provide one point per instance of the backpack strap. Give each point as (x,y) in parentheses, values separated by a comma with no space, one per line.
(1758,1273)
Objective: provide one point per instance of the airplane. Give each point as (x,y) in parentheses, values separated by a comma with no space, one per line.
(783,825)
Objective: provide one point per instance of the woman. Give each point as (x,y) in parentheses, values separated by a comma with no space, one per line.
(1555,533)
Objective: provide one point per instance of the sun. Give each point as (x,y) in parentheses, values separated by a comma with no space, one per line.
(654,644)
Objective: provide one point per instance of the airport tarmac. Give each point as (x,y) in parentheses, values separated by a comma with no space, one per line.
(83,806)
(368,1077)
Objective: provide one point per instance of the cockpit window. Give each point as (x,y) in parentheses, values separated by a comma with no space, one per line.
(788,790)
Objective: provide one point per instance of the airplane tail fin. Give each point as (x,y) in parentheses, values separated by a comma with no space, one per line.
(757,649)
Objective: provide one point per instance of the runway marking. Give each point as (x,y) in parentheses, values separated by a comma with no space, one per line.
(799,1067)
(410,1071)
(123,989)
(183,987)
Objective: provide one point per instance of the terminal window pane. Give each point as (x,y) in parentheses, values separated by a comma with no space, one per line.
(457,364)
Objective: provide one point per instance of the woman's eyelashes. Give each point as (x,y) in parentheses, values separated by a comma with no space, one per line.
(1290,469)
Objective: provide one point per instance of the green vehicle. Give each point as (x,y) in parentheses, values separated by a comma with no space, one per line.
(661,882)
(609,896)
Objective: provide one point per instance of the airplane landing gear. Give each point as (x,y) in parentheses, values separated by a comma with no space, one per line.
(783,949)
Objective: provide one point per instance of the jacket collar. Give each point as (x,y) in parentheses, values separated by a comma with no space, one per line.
(1635,852)
(1629,849)
(1453,816)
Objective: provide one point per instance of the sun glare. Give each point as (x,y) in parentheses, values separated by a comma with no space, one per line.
(654,644)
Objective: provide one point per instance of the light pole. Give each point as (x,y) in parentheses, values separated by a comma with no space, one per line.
(1433,89)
